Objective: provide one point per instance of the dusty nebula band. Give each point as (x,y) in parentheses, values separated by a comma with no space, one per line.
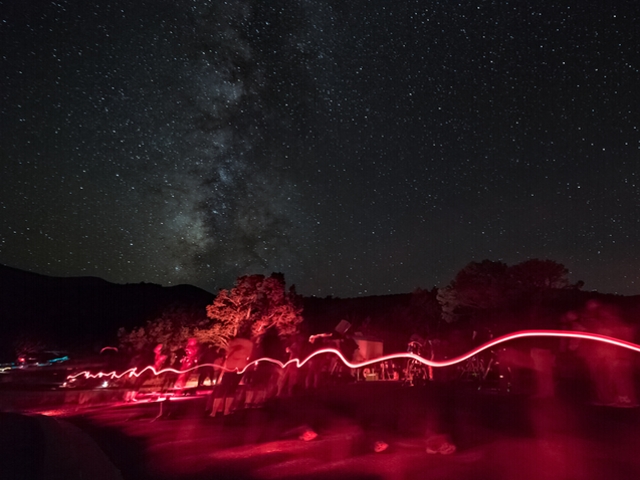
(404,355)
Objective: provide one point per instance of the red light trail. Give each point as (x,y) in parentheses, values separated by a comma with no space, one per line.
(405,355)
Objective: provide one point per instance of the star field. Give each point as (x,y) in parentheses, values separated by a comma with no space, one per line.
(362,147)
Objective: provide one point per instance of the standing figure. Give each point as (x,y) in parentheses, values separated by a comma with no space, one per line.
(289,375)
(142,363)
(610,368)
(318,367)
(239,352)
(415,372)
(208,357)
(189,361)
(175,364)
(160,358)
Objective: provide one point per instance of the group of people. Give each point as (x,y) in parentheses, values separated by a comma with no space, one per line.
(610,369)
(181,363)
(265,380)
(218,368)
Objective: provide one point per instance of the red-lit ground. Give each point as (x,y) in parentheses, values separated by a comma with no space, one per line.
(498,437)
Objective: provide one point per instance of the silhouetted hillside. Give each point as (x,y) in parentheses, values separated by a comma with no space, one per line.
(86,311)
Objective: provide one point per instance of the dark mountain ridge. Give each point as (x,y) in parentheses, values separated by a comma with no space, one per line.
(73,312)
(85,313)
(88,311)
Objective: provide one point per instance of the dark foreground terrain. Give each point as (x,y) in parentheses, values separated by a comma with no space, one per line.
(498,436)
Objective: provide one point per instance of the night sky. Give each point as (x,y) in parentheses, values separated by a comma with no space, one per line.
(359,147)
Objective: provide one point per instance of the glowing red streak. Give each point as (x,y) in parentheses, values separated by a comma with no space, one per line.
(441,363)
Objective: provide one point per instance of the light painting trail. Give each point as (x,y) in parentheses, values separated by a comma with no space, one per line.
(404,355)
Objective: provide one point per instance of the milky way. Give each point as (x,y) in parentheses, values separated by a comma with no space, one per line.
(361,147)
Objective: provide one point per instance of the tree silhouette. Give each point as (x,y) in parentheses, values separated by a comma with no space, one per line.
(254,305)
(539,274)
(478,286)
(494,286)
(173,327)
